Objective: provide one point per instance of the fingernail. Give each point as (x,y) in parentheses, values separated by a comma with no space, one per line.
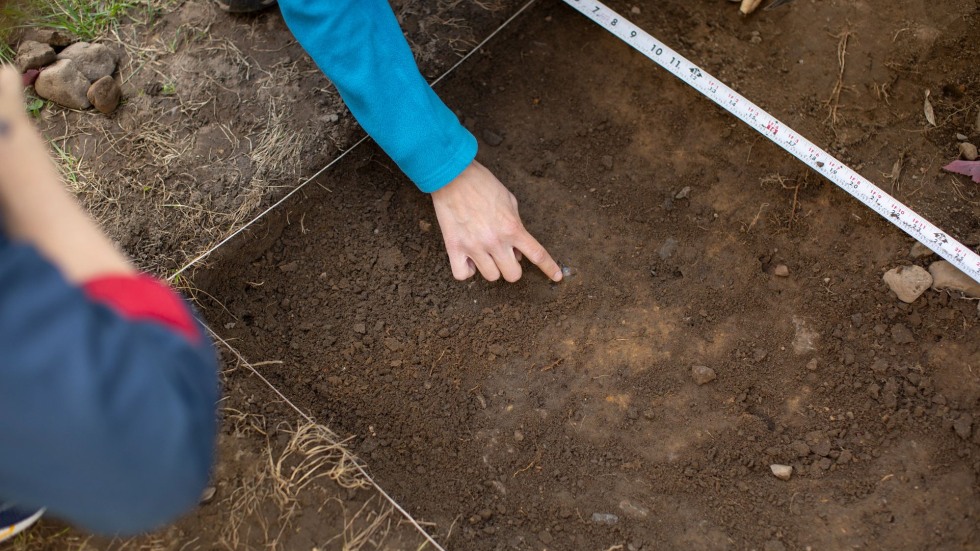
(557,277)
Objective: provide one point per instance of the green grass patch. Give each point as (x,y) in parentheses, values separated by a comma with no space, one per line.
(86,19)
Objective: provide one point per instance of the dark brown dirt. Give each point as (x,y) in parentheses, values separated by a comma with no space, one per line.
(517,413)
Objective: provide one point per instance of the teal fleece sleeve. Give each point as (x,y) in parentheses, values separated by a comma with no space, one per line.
(360,47)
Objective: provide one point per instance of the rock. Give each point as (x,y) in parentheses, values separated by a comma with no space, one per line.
(703,375)
(683,193)
(635,10)
(961,137)
(63,84)
(492,138)
(902,334)
(607,162)
(34,55)
(604,518)
(425,226)
(518,436)
(782,472)
(812,364)
(207,495)
(289,267)
(51,37)
(920,251)
(845,457)
(105,95)
(360,328)
(781,271)
(947,276)
(546,537)
(908,282)
(94,60)
(800,448)
(963,426)
(968,151)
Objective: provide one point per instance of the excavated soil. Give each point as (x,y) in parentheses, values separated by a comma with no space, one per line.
(544,416)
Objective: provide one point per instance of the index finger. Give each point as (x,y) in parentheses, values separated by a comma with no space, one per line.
(537,254)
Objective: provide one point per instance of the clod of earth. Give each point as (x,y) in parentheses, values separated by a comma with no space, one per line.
(949,277)
(908,282)
(703,375)
(782,472)
(63,84)
(963,426)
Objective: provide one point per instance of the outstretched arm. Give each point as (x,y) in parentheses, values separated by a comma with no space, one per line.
(360,47)
(107,384)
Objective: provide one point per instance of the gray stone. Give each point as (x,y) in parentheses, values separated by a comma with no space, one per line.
(908,282)
(63,84)
(51,37)
(703,375)
(684,193)
(34,55)
(94,60)
(105,94)
(947,276)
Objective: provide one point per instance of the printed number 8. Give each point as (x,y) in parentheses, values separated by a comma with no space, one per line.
(614,21)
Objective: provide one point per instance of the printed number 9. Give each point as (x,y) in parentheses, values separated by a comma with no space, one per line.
(632,34)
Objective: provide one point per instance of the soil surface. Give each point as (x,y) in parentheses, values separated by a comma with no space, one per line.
(543,416)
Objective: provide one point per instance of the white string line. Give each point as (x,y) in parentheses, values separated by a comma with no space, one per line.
(355,460)
(275,205)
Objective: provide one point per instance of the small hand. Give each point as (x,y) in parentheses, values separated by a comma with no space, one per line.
(483,230)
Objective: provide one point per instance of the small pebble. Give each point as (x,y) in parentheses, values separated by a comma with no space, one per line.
(683,193)
(781,271)
(518,436)
(908,282)
(812,365)
(961,137)
(492,138)
(782,472)
(703,375)
(635,10)
(968,151)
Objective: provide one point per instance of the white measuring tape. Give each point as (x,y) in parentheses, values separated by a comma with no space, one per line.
(784,136)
